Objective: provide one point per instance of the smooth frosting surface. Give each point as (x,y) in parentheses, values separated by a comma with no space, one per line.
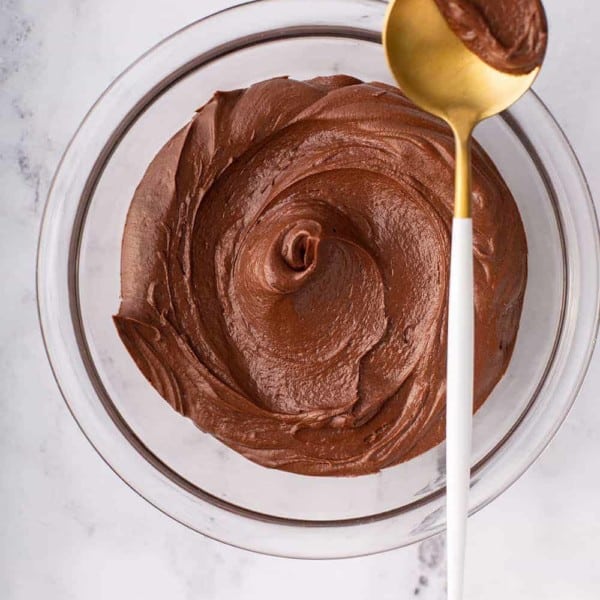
(285,274)
(510,35)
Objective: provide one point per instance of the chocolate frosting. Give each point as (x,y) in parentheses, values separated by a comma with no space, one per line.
(285,274)
(509,35)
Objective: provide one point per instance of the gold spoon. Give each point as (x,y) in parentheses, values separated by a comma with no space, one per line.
(441,75)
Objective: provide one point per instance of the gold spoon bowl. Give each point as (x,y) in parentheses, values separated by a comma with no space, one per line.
(441,75)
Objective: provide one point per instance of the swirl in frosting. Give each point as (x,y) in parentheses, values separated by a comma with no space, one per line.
(285,274)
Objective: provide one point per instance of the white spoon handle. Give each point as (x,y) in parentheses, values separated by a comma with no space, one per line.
(459,400)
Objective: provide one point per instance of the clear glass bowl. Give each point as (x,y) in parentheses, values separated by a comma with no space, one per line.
(191,476)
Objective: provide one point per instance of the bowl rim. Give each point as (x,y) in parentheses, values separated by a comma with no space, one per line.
(50,329)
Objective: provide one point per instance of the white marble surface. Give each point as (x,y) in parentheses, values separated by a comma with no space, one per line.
(69,529)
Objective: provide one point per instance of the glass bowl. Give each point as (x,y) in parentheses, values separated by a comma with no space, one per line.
(190,475)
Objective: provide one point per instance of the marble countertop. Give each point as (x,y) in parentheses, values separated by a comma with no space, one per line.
(70,529)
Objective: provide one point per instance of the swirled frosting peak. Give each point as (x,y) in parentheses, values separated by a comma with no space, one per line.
(285,274)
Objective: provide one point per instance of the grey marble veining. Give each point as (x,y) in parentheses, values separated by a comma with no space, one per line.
(70,529)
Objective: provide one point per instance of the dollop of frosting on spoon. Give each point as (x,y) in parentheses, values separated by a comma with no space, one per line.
(509,35)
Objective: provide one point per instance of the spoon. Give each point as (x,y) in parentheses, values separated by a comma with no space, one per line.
(441,75)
